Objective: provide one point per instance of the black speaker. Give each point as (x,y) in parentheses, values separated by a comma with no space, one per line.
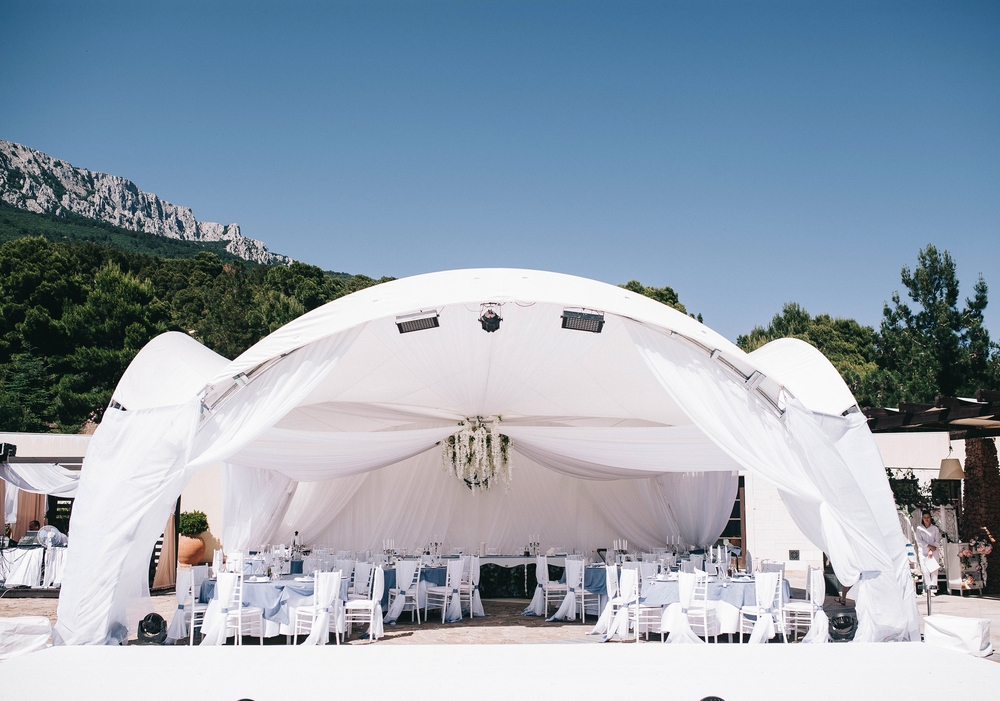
(152,629)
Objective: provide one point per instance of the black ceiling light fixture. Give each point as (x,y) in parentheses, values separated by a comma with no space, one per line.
(418,321)
(489,316)
(583,320)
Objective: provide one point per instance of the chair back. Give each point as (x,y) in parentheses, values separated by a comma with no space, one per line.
(199,573)
(474,571)
(234,562)
(378,584)
(647,575)
(611,577)
(686,583)
(629,585)
(363,573)
(466,568)
(687,567)
(184,587)
(574,574)
(217,561)
(407,574)
(542,569)
(227,585)
(454,575)
(327,588)
(698,561)
(816,584)
(700,596)
(766,589)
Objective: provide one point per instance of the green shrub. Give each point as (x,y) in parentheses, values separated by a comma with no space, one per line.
(193,523)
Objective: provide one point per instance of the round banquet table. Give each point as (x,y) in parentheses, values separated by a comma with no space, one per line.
(278,600)
(735,593)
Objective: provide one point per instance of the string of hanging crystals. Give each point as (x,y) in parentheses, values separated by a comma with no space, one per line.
(478,454)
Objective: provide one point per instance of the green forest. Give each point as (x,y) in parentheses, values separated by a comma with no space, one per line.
(79,299)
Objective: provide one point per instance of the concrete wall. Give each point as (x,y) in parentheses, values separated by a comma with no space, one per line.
(771,533)
(204,493)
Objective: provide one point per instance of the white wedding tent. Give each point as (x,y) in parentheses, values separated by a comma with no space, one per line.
(332,426)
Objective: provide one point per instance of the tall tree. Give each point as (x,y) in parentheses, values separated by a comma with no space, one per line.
(935,348)
(846,343)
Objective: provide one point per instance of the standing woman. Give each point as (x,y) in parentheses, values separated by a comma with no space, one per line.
(928,538)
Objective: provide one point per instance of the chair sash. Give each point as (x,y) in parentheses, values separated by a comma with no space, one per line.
(217,615)
(378,586)
(681,629)
(574,585)
(628,594)
(405,570)
(537,605)
(326,602)
(474,574)
(178,629)
(453,581)
(819,629)
(362,571)
(765,589)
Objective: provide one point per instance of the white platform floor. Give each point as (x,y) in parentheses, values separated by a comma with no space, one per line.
(676,672)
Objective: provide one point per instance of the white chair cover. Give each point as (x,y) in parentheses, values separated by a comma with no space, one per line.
(765,585)
(681,628)
(574,584)
(628,594)
(327,602)
(537,605)
(477,600)
(819,630)
(611,584)
(362,570)
(405,569)
(22,635)
(454,613)
(217,615)
(647,575)
(178,629)
(217,561)
(378,586)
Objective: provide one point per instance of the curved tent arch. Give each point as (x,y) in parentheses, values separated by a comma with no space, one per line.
(340,392)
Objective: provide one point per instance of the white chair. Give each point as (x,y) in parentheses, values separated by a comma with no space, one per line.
(368,610)
(800,614)
(771,566)
(647,575)
(244,618)
(469,588)
(316,620)
(620,607)
(447,598)
(551,590)
(537,606)
(364,575)
(187,587)
(761,620)
(702,615)
(646,619)
(408,587)
(576,594)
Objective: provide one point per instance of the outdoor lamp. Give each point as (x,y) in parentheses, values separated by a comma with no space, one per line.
(951,468)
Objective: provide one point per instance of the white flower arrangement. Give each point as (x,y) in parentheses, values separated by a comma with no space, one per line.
(478,455)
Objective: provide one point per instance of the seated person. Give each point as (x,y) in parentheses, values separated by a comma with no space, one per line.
(34,525)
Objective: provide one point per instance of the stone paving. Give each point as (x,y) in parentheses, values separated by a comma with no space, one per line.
(505,625)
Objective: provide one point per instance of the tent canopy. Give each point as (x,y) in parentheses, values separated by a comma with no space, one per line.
(644,424)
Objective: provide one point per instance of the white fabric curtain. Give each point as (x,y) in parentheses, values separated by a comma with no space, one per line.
(253,504)
(315,505)
(701,503)
(10,503)
(828,466)
(136,466)
(41,478)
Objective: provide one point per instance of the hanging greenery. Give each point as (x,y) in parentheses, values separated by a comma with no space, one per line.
(478,455)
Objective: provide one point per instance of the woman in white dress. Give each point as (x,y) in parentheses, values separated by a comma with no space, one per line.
(928,538)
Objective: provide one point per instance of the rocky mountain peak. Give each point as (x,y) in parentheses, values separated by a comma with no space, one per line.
(36,182)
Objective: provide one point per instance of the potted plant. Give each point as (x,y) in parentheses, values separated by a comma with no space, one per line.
(190,545)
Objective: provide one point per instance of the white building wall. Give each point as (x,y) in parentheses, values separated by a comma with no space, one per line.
(771,532)
(204,493)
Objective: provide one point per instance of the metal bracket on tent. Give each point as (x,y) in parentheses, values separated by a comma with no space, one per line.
(210,400)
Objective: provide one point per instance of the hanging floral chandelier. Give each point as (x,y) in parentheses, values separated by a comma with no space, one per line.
(478,454)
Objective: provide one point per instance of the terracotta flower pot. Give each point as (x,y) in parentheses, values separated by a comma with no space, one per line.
(190,550)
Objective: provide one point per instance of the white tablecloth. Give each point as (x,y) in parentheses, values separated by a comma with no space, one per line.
(23,566)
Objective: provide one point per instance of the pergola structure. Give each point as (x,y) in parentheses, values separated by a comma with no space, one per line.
(962,417)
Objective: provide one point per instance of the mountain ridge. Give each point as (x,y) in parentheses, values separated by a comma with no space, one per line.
(36,182)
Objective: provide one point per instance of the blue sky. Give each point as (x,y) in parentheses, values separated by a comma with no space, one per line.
(746,154)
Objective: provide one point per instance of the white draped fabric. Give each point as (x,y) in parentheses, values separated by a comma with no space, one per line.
(680,631)
(574,575)
(765,584)
(40,478)
(326,602)
(537,605)
(477,600)
(605,430)
(10,504)
(178,629)
(405,569)
(215,625)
